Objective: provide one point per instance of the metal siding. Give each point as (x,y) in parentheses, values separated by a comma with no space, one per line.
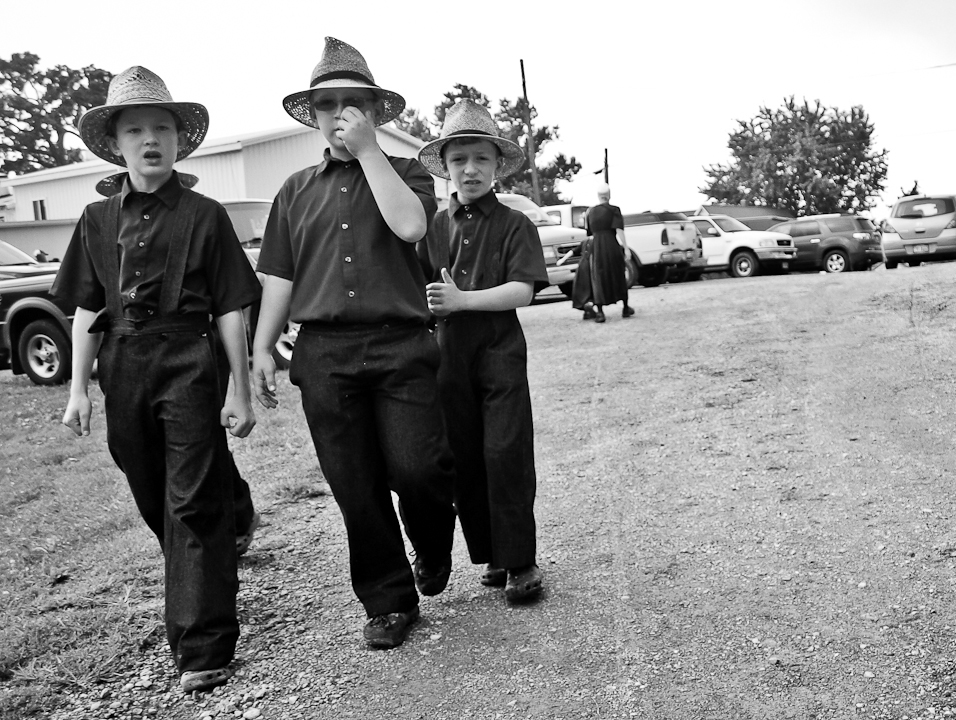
(64,197)
(220,175)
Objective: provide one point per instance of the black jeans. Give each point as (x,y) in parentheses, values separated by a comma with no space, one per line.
(370,395)
(162,411)
(487,405)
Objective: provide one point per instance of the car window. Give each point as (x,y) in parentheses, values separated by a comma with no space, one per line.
(526,206)
(840,224)
(702,226)
(803,229)
(924,207)
(731,225)
(578,215)
(249,220)
(10,255)
(785,229)
(865,224)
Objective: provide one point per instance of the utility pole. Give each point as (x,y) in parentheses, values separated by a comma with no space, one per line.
(606,181)
(535,188)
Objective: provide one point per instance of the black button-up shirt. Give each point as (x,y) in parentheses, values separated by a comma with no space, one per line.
(488,244)
(218,277)
(326,234)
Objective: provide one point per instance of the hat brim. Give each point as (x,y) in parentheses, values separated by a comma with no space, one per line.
(109,186)
(298,104)
(193,116)
(511,152)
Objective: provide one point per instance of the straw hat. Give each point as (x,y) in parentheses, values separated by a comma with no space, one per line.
(341,66)
(109,186)
(139,87)
(468,119)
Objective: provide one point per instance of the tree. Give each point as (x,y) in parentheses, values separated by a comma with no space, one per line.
(40,109)
(511,124)
(805,158)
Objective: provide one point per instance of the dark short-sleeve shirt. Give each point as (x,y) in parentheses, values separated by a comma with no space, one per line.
(326,234)
(603,217)
(218,277)
(488,244)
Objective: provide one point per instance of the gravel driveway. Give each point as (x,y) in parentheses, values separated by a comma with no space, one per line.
(745,511)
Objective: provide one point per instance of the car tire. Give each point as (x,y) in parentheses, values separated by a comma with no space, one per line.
(744,264)
(282,352)
(567,288)
(836,261)
(45,353)
(651,276)
(631,271)
(890,264)
(914,263)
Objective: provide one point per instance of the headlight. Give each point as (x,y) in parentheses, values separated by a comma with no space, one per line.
(549,253)
(768,242)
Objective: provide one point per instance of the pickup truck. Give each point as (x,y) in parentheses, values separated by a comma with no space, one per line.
(661,245)
(729,245)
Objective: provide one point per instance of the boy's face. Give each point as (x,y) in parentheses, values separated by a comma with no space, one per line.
(472,167)
(147,139)
(327,106)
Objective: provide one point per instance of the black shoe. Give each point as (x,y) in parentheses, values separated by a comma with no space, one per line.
(627,312)
(384,632)
(589,315)
(523,583)
(493,576)
(431,579)
(599,316)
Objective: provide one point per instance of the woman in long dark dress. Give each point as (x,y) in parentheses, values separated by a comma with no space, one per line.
(601,279)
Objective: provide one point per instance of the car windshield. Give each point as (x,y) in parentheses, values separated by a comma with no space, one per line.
(731,225)
(924,207)
(10,255)
(249,219)
(524,205)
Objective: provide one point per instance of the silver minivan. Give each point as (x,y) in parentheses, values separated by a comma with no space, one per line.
(920,229)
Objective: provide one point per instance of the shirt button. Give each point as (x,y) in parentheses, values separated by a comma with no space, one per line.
(348,259)
(467,208)
(150,312)
(466,241)
(351,293)
(138,273)
(345,189)
(464,272)
(345,226)
(132,295)
(468,216)
(145,217)
(142,244)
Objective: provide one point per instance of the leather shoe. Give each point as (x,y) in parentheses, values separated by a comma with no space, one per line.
(431,579)
(245,540)
(523,583)
(200,680)
(589,314)
(627,312)
(599,316)
(384,632)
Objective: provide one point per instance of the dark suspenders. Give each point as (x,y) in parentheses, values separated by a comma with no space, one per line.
(184,216)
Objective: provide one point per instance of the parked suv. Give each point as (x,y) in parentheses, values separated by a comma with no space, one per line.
(920,229)
(834,243)
(728,244)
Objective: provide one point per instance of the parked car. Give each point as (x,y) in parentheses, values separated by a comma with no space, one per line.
(34,326)
(728,244)
(570,215)
(834,243)
(661,245)
(561,245)
(920,229)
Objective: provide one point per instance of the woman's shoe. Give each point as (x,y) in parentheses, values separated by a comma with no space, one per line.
(201,680)
(493,577)
(523,583)
(599,316)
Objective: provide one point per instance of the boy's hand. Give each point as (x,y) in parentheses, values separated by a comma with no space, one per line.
(357,130)
(238,416)
(77,414)
(264,379)
(444,297)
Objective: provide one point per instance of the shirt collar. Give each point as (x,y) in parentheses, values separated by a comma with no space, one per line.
(486,203)
(169,193)
(330,162)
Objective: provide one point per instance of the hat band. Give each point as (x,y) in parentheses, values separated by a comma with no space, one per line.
(341,75)
(470,132)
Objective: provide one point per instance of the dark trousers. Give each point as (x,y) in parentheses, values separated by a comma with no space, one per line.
(487,406)
(162,412)
(371,399)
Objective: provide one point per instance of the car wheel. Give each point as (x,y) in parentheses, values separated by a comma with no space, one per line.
(744,264)
(567,288)
(282,352)
(915,263)
(890,264)
(45,353)
(651,276)
(631,271)
(836,261)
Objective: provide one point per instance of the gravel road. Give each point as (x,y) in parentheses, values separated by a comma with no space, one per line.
(745,511)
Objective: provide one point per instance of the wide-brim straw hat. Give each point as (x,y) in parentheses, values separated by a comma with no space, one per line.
(341,66)
(139,87)
(109,186)
(468,119)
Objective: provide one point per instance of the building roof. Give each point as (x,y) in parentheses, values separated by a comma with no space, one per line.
(743,211)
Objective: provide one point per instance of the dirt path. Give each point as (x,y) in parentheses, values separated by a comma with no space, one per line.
(745,511)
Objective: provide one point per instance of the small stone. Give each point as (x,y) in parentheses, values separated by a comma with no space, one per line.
(773,660)
(861,585)
(868,674)
(251,714)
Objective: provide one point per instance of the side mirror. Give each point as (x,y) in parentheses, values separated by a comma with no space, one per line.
(711,231)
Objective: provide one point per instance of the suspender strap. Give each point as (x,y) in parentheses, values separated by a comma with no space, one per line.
(183,218)
(109,237)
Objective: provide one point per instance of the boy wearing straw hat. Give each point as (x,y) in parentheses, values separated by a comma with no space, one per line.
(339,257)
(485,261)
(147,268)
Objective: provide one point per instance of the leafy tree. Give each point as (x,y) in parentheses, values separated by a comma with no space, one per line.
(511,123)
(40,109)
(805,158)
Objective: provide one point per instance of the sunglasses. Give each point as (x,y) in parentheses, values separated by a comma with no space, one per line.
(329,104)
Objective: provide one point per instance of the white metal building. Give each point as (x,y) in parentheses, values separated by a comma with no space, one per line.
(245,166)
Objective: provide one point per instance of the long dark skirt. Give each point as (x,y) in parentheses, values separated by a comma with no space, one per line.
(601,277)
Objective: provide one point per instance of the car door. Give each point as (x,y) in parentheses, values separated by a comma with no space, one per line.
(712,241)
(806,238)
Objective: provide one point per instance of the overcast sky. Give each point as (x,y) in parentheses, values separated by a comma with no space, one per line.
(660,88)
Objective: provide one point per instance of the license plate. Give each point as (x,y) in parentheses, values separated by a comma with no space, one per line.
(921,248)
